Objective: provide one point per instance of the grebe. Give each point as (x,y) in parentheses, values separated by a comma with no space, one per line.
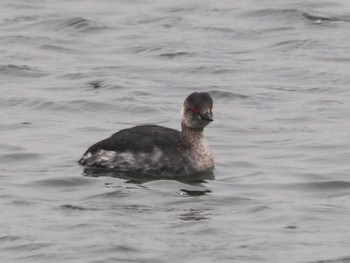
(153,149)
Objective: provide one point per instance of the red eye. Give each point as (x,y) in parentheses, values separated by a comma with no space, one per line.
(195,110)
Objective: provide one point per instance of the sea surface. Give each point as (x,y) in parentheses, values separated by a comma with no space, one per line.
(74,72)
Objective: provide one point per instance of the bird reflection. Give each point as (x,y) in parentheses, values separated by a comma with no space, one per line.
(141,178)
(196,215)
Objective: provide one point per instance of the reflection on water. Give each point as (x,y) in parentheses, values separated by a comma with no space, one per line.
(196,214)
(195,192)
(140,178)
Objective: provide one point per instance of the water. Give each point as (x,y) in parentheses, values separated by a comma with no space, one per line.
(74,72)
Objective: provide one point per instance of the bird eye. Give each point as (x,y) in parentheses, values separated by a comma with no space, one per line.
(195,110)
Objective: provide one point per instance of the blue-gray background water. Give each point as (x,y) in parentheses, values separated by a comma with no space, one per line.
(74,72)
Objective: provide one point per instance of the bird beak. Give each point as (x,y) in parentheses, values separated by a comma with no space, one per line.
(207,116)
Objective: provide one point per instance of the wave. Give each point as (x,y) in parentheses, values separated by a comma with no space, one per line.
(335,260)
(79,24)
(293,13)
(326,185)
(50,105)
(20,71)
(220,94)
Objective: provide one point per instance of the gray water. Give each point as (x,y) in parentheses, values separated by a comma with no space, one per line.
(74,72)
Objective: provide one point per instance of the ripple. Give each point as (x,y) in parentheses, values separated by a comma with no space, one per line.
(335,260)
(220,94)
(21,19)
(328,185)
(119,193)
(143,49)
(196,214)
(80,24)
(322,18)
(293,13)
(182,9)
(273,12)
(20,71)
(58,49)
(291,227)
(76,208)
(9,238)
(298,44)
(329,188)
(19,157)
(63,182)
(30,246)
(9,147)
(175,54)
(39,104)
(165,21)
(101,84)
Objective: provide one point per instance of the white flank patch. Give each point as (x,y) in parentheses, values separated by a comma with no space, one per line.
(106,156)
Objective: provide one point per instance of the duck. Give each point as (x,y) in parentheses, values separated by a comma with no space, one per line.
(157,150)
